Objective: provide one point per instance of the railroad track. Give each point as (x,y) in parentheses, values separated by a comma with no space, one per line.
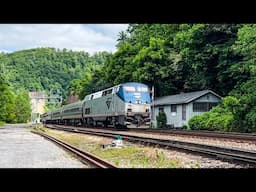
(233,136)
(242,137)
(223,153)
(85,156)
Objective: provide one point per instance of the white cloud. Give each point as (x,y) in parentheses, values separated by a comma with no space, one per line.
(89,38)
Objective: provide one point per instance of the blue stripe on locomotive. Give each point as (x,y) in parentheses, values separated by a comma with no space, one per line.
(132,96)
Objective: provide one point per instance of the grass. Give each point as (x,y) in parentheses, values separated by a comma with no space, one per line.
(39,128)
(129,156)
(196,165)
(2,123)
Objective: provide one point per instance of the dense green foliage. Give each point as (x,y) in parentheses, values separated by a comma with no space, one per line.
(14,106)
(7,102)
(176,58)
(161,120)
(22,108)
(239,113)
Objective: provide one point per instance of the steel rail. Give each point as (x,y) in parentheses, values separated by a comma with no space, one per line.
(233,136)
(88,157)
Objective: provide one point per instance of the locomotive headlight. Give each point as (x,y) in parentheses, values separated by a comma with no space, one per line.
(129,108)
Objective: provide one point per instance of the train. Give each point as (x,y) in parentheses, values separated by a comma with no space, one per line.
(126,105)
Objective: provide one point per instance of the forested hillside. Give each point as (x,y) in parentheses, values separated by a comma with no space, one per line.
(43,69)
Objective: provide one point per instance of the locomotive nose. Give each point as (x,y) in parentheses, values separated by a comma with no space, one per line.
(139,120)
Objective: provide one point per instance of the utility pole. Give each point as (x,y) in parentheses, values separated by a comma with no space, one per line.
(152,112)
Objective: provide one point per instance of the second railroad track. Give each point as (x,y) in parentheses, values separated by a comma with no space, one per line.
(223,153)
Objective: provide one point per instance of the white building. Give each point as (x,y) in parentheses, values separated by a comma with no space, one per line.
(180,108)
(37,101)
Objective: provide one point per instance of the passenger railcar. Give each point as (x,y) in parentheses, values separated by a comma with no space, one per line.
(124,105)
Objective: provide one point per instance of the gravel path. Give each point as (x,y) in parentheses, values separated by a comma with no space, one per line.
(21,149)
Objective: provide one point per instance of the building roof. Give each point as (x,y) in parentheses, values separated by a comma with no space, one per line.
(182,97)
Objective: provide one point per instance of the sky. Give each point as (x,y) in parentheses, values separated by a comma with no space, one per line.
(78,37)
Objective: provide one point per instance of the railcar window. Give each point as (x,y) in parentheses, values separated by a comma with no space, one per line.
(72,110)
(129,89)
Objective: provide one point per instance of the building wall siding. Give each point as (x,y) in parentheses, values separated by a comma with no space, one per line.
(176,120)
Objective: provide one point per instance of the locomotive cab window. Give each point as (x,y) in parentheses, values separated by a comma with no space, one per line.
(87,111)
(107,92)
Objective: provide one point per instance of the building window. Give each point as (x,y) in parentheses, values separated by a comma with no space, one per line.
(211,105)
(203,106)
(183,111)
(173,108)
(161,109)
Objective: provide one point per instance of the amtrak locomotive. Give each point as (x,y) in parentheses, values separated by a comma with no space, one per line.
(126,105)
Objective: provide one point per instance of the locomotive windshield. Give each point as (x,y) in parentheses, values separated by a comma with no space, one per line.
(142,89)
(138,89)
(136,93)
(129,89)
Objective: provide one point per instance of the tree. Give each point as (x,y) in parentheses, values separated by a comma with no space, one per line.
(6,101)
(207,51)
(161,120)
(22,108)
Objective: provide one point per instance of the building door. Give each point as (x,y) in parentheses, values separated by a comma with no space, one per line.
(183,111)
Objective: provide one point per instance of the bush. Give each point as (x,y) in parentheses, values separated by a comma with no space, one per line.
(198,122)
(218,118)
(151,125)
(184,127)
(161,120)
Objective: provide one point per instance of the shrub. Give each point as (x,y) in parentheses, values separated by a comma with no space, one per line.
(184,127)
(218,118)
(161,120)
(198,122)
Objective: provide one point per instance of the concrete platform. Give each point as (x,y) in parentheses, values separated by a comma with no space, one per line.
(19,148)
